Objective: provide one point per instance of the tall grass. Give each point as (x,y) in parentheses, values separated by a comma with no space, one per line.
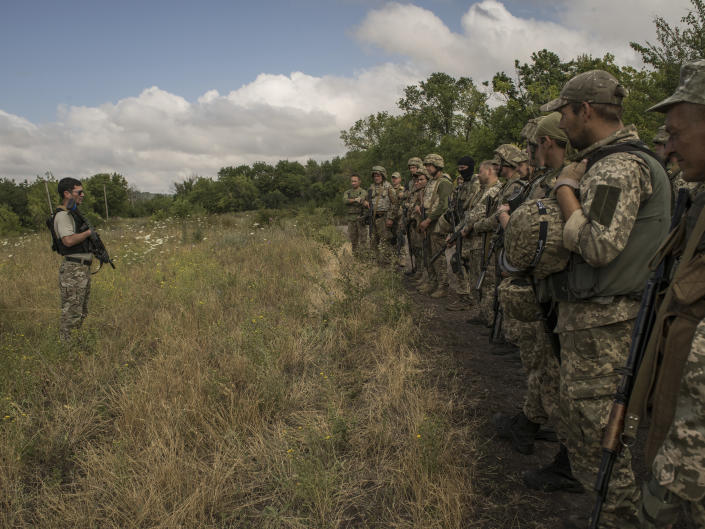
(230,374)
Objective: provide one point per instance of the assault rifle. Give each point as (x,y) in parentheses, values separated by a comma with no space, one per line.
(408,238)
(498,319)
(426,244)
(612,441)
(95,244)
(370,213)
(457,235)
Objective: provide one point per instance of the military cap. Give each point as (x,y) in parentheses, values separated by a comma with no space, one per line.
(379,169)
(661,135)
(691,88)
(418,162)
(396,174)
(548,126)
(508,154)
(595,86)
(434,159)
(528,131)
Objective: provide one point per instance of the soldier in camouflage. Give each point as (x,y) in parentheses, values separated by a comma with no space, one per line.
(477,242)
(354,200)
(415,247)
(436,204)
(620,216)
(400,194)
(415,216)
(75,270)
(672,170)
(676,439)
(380,200)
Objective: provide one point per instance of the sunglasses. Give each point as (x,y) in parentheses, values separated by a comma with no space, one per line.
(81,192)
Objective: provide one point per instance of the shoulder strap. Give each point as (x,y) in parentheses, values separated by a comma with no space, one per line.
(627,146)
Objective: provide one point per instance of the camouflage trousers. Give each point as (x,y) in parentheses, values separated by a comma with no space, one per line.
(415,245)
(542,402)
(588,380)
(357,232)
(439,271)
(75,287)
(380,241)
(488,294)
(473,273)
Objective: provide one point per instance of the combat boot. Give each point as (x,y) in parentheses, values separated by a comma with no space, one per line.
(427,288)
(460,303)
(556,476)
(440,292)
(519,430)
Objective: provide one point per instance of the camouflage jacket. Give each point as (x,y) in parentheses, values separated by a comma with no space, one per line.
(354,210)
(382,199)
(598,233)
(400,196)
(439,200)
(491,222)
(478,211)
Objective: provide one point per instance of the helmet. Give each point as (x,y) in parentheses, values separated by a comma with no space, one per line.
(422,170)
(434,159)
(381,170)
(396,174)
(533,239)
(418,162)
(511,155)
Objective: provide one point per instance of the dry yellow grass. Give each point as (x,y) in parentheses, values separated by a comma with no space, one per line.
(229,375)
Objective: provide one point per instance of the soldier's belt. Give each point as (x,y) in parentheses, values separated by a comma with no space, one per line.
(86,262)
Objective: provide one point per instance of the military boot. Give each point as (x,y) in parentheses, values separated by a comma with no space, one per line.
(427,288)
(459,303)
(440,292)
(556,476)
(519,429)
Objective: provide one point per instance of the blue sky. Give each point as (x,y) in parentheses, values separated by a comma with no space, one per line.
(162,90)
(89,52)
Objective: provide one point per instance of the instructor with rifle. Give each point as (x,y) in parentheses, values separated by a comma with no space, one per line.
(77,242)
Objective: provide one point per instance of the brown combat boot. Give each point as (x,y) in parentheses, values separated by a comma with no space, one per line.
(440,292)
(427,288)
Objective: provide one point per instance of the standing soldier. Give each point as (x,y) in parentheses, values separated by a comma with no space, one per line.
(478,242)
(676,440)
(436,204)
(415,216)
(398,230)
(415,168)
(510,159)
(672,169)
(619,215)
(354,200)
(75,271)
(380,201)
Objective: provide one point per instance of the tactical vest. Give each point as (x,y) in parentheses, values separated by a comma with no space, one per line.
(380,195)
(429,194)
(58,245)
(354,210)
(627,273)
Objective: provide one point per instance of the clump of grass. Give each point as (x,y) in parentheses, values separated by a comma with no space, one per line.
(260,378)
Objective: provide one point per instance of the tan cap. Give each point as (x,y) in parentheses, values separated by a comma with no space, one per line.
(661,135)
(691,88)
(528,130)
(396,174)
(508,154)
(595,86)
(548,126)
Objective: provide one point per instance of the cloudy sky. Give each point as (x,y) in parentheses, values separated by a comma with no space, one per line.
(160,90)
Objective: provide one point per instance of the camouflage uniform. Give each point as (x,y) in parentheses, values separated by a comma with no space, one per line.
(382,203)
(400,194)
(595,334)
(74,281)
(355,215)
(416,239)
(438,206)
(481,301)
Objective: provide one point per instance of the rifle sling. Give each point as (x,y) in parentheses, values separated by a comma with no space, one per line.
(651,375)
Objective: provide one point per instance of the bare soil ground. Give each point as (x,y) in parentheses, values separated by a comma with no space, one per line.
(468,367)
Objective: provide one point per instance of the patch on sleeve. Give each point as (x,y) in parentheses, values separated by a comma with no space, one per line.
(604,204)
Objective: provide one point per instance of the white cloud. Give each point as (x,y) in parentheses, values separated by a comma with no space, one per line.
(157,137)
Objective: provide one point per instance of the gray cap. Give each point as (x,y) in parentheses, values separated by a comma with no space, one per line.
(595,86)
(691,88)
(548,126)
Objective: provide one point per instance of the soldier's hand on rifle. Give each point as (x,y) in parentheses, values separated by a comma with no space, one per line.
(366,204)
(417,210)
(448,243)
(424,224)
(503,214)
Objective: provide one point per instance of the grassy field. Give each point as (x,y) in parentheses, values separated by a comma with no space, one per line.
(230,374)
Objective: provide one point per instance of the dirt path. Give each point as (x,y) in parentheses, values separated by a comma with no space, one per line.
(468,366)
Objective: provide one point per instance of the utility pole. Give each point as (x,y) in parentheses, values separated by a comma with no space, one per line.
(51,208)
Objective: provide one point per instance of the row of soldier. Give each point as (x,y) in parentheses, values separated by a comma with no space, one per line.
(552,246)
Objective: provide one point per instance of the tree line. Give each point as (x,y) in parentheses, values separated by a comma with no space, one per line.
(451,116)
